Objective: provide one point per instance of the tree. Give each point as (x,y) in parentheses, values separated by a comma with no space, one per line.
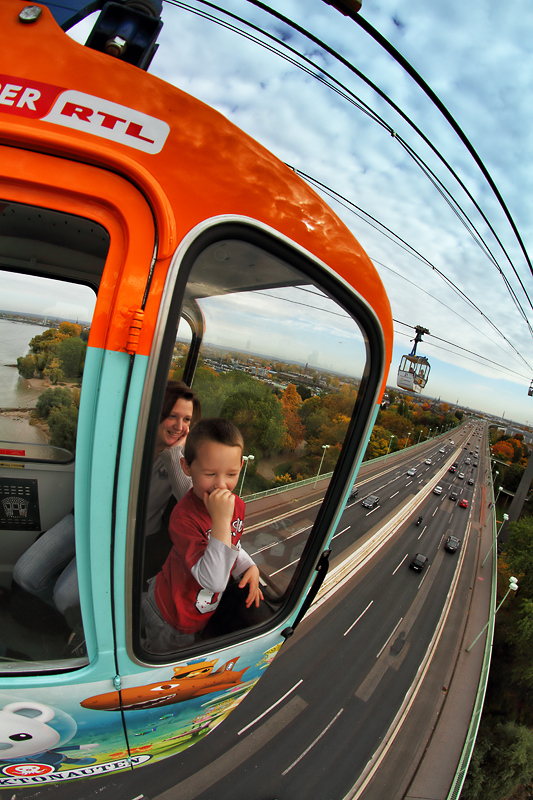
(503,451)
(512,477)
(378,443)
(70,328)
(71,352)
(26,366)
(53,370)
(259,417)
(304,391)
(503,759)
(53,398)
(290,402)
(63,423)
(521,635)
(519,553)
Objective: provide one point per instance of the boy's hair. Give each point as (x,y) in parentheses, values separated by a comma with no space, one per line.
(211,429)
(175,391)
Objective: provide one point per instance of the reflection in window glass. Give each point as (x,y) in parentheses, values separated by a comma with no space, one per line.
(265,347)
(44,328)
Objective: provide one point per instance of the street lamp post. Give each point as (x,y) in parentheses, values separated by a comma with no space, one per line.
(408,435)
(419,435)
(429,434)
(246,459)
(388,448)
(505,518)
(513,586)
(324,448)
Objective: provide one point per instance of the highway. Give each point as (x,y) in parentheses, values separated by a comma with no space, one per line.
(320,712)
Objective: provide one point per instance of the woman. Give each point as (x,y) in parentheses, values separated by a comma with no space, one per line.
(48,568)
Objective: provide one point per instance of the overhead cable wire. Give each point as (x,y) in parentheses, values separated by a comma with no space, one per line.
(433,97)
(393,236)
(351,97)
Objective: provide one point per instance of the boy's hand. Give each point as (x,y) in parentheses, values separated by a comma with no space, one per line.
(220,505)
(251,577)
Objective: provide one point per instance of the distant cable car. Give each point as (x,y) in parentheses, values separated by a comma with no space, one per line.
(530,390)
(414,370)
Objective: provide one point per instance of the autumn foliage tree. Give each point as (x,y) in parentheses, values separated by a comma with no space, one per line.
(291,402)
(504,451)
(55,354)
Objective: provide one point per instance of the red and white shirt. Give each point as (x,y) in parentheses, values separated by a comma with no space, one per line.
(191,582)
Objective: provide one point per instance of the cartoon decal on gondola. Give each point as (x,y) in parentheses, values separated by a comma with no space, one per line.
(41,743)
(191,680)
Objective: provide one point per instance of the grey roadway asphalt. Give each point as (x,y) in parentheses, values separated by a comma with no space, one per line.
(421,762)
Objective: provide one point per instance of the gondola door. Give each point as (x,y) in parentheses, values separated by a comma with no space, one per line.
(76,251)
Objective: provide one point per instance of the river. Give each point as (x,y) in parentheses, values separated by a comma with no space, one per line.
(16,392)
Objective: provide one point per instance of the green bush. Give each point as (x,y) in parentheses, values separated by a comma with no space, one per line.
(53,398)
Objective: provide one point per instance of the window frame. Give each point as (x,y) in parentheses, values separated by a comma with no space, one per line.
(271,241)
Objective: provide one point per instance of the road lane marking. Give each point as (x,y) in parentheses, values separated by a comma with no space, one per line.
(281,541)
(424,529)
(285,567)
(233,758)
(374,509)
(400,564)
(358,618)
(435,511)
(343,531)
(326,729)
(390,637)
(394,495)
(281,699)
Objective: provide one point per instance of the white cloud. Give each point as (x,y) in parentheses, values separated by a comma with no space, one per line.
(476,57)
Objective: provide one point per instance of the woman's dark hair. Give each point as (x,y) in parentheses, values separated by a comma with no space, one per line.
(175,391)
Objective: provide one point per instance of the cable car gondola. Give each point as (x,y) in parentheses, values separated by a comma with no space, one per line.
(413,371)
(136,215)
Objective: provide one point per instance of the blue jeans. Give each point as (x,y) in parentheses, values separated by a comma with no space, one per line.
(48,568)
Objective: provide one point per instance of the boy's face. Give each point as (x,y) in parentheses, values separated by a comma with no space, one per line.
(216,466)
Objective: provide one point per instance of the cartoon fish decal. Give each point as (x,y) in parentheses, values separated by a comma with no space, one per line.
(192,680)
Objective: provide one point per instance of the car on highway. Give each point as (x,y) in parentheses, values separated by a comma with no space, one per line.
(353,493)
(371,501)
(452,468)
(474,464)
(461,476)
(470,481)
(453,495)
(452,544)
(464,503)
(427,461)
(419,562)
(411,471)
(437,490)
(442,450)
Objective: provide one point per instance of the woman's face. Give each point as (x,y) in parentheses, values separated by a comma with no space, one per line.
(174,429)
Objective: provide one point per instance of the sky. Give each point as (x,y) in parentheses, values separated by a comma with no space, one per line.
(444,275)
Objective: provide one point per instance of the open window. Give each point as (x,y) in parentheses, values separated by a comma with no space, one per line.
(45,318)
(274,342)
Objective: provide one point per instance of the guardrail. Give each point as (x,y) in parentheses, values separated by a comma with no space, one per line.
(468,748)
(297,484)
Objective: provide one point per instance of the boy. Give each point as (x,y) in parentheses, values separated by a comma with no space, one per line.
(205,529)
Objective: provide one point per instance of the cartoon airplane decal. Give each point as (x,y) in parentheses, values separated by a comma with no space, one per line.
(191,680)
